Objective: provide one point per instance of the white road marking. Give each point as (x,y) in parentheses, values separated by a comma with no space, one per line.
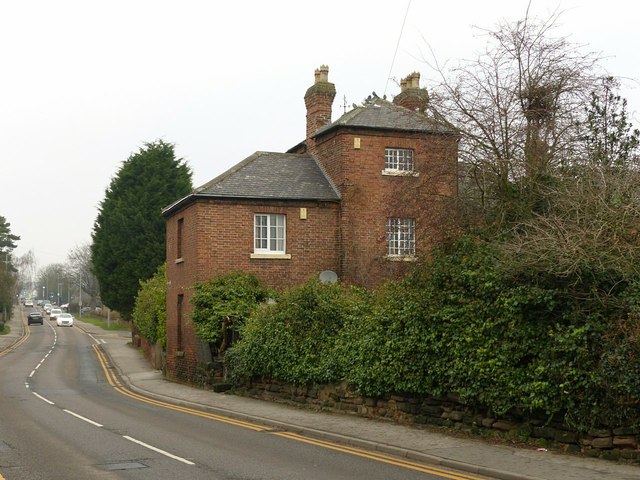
(82,418)
(150,447)
(43,399)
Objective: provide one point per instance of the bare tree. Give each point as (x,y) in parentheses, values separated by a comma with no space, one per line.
(27,269)
(80,268)
(517,106)
(51,281)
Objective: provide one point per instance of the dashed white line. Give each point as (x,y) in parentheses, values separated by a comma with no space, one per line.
(43,399)
(162,452)
(82,418)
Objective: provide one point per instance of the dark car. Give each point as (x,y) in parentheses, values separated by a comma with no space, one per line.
(35,317)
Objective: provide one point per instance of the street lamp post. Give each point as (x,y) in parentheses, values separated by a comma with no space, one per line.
(44,297)
(80,299)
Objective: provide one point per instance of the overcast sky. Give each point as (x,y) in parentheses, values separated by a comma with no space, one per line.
(85,83)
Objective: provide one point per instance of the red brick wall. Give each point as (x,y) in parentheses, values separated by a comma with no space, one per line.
(348,238)
(218,239)
(180,277)
(368,197)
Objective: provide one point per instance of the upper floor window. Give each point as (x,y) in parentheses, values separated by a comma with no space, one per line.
(398,160)
(269,233)
(401,237)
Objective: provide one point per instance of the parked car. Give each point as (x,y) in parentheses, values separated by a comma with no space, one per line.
(64,320)
(28,303)
(35,317)
(55,313)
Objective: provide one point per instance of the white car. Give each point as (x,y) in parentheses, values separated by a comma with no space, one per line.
(55,313)
(28,303)
(64,320)
(47,308)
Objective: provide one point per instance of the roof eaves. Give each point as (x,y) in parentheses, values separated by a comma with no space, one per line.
(170,209)
(335,126)
(303,143)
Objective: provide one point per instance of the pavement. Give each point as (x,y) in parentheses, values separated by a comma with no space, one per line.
(473,456)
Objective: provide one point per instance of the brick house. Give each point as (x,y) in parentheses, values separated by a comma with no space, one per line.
(361,197)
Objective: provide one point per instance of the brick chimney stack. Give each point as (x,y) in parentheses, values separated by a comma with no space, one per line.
(318,100)
(411,96)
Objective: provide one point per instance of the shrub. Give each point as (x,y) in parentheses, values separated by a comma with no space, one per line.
(294,339)
(222,305)
(459,324)
(150,309)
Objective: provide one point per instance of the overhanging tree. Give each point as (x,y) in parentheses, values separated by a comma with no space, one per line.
(129,232)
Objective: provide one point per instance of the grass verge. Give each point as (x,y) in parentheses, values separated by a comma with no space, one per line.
(102,322)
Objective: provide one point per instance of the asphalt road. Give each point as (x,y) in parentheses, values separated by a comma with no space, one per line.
(60,418)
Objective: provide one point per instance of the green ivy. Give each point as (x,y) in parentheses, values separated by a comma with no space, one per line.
(459,324)
(294,339)
(223,304)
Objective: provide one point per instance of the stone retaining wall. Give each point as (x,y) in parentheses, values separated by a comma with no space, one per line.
(610,443)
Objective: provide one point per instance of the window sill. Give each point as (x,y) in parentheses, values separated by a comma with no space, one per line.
(271,256)
(179,260)
(399,173)
(401,258)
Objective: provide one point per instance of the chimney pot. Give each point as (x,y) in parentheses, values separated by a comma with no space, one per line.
(318,100)
(322,74)
(415,80)
(411,96)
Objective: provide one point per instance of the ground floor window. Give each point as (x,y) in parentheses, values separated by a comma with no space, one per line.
(269,233)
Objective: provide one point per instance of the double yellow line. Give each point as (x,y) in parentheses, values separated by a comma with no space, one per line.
(115,383)
(20,341)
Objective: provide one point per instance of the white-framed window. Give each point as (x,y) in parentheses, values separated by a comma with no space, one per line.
(269,233)
(401,237)
(398,160)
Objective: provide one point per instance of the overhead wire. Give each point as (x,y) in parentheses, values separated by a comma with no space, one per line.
(393,60)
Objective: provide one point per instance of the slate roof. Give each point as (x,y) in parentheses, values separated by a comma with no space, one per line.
(270,176)
(384,115)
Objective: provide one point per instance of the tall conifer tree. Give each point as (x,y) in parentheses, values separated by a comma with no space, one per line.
(129,232)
